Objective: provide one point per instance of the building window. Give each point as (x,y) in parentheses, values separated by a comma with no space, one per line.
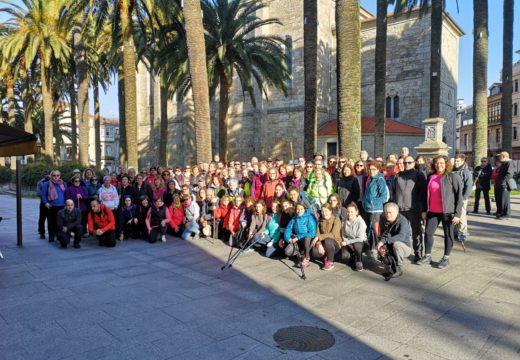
(515,133)
(109,131)
(388,107)
(289,54)
(466,140)
(515,109)
(497,136)
(516,85)
(396,107)
(332,148)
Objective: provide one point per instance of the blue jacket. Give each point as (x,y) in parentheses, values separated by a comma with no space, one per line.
(59,201)
(376,194)
(301,226)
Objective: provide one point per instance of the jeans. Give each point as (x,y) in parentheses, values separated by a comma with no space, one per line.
(432,221)
(192,227)
(264,241)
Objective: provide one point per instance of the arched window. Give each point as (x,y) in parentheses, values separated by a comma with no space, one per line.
(388,113)
(396,107)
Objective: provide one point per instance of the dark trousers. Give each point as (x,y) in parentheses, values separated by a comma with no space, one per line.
(130,230)
(42,217)
(116,216)
(52,224)
(486,199)
(505,205)
(432,221)
(155,232)
(64,237)
(331,247)
(353,251)
(415,218)
(84,221)
(108,238)
(498,199)
(307,246)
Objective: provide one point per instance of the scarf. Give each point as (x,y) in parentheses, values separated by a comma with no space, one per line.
(52,193)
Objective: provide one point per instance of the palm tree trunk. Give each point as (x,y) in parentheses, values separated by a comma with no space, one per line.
(380,78)
(97,124)
(435,58)
(310,60)
(223,114)
(349,77)
(507,74)
(129,69)
(163,142)
(83,101)
(47,112)
(199,78)
(73,119)
(10,101)
(480,60)
(122,122)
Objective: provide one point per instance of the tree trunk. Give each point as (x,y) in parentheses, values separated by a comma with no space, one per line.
(83,101)
(47,112)
(348,35)
(480,60)
(10,101)
(122,122)
(223,115)
(97,124)
(73,119)
(507,74)
(163,142)
(129,69)
(310,60)
(199,78)
(380,78)
(435,58)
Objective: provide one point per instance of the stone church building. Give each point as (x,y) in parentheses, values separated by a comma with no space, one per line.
(275,124)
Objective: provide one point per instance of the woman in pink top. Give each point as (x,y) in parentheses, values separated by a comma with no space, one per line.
(444,206)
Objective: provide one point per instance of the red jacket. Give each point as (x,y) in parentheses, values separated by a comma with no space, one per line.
(232,220)
(256,186)
(103,220)
(177,216)
(222,211)
(268,191)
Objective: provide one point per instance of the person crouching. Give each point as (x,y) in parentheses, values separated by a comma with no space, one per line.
(157,220)
(69,225)
(101,222)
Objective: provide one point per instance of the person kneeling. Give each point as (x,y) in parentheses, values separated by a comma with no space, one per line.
(101,223)
(300,230)
(396,239)
(69,225)
(156,221)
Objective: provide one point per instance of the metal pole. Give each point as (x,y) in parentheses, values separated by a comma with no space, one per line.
(19,241)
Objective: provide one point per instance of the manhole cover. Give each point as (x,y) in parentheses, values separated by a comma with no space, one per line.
(304,338)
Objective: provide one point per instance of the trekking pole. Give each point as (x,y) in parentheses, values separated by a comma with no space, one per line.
(231,256)
(296,250)
(240,252)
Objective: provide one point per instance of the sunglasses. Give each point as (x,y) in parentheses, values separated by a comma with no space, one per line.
(408,162)
(360,165)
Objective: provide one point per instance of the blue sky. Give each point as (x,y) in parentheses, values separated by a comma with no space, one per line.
(463,17)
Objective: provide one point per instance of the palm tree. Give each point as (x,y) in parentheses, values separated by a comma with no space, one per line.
(348,29)
(199,77)
(233,47)
(310,60)
(380,77)
(480,60)
(507,73)
(39,31)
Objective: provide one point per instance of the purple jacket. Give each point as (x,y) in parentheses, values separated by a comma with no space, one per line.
(72,193)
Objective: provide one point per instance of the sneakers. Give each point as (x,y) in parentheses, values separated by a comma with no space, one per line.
(327,264)
(426,260)
(443,263)
(359,266)
(163,238)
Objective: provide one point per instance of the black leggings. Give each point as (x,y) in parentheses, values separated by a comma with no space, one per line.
(353,250)
(331,247)
(155,232)
(432,221)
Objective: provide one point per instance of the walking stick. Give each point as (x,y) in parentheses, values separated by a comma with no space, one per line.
(239,252)
(299,264)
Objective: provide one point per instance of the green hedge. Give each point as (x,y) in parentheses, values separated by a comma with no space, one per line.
(32,173)
(6,174)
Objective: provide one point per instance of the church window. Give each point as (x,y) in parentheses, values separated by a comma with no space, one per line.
(396,107)
(388,107)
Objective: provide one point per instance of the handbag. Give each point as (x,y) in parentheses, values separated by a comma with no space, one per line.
(511,184)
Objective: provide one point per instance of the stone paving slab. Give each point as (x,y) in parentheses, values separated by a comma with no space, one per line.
(172,301)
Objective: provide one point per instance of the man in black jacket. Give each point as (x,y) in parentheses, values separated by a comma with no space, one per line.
(396,235)
(69,225)
(409,192)
(482,181)
(461,168)
(506,172)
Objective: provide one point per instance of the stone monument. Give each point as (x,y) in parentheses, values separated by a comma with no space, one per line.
(433,144)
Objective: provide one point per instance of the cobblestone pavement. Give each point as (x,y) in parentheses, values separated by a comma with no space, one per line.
(171,300)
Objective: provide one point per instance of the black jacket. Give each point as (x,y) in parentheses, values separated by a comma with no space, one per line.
(451,189)
(506,172)
(68,221)
(409,190)
(399,230)
(348,190)
(482,176)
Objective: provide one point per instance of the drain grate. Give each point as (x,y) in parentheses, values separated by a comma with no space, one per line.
(304,338)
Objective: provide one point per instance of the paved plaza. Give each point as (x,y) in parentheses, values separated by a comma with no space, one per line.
(172,301)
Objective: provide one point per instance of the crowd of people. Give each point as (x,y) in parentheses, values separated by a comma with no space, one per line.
(386,209)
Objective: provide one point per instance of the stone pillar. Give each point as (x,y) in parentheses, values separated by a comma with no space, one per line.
(433,144)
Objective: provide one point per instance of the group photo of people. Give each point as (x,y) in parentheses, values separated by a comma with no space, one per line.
(322,210)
